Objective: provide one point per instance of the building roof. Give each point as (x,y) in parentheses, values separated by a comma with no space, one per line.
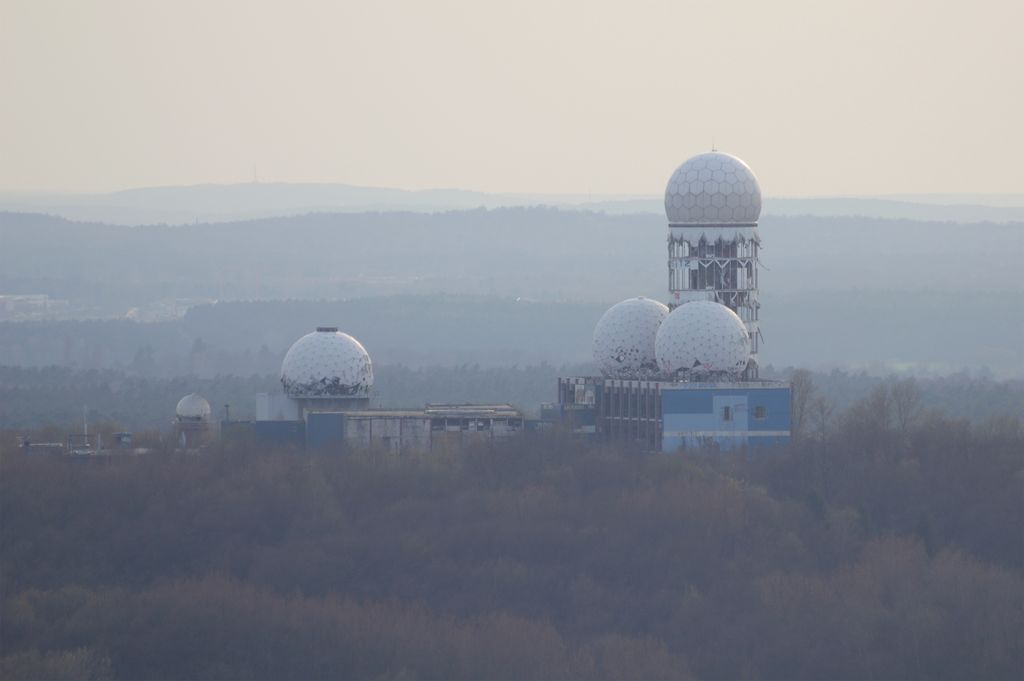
(436,411)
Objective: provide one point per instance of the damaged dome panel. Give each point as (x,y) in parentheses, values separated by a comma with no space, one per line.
(327,363)
(702,339)
(624,338)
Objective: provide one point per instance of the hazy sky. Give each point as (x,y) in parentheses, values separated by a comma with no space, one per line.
(818,97)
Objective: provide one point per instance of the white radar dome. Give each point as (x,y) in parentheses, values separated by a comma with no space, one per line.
(326,363)
(713,188)
(193,407)
(624,338)
(702,337)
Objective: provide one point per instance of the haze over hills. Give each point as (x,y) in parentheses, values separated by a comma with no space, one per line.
(537,253)
(228,202)
(836,291)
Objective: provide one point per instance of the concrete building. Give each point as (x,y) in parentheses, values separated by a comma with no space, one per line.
(670,416)
(438,427)
(327,379)
(685,375)
(725,416)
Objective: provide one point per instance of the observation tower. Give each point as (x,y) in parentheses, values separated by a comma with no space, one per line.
(713,202)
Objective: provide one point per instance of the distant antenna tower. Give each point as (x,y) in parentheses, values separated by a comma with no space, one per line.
(255,177)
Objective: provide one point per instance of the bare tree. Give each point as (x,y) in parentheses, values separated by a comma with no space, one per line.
(820,414)
(802,385)
(905,399)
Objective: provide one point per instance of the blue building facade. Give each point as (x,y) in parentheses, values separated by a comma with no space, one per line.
(725,415)
(672,416)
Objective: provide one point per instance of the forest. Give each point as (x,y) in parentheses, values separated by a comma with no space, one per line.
(884,542)
(814,328)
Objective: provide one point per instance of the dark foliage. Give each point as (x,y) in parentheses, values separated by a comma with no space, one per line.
(878,550)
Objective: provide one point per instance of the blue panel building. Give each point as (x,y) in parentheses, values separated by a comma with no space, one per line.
(325,430)
(670,416)
(280,432)
(724,415)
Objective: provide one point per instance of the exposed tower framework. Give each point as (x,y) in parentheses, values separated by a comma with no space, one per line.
(713,202)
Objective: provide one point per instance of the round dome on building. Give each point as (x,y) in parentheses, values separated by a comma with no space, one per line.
(193,407)
(701,338)
(624,338)
(713,188)
(326,363)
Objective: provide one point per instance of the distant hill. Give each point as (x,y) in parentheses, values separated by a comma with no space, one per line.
(220,203)
(534,253)
(501,287)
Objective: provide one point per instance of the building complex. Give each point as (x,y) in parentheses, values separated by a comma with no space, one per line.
(685,375)
(681,375)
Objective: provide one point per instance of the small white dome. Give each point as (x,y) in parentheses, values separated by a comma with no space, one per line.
(702,337)
(713,188)
(193,407)
(326,363)
(624,338)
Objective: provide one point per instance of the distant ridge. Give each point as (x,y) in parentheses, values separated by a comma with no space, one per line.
(221,203)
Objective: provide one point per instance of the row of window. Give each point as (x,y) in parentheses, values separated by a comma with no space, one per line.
(760,413)
(454,424)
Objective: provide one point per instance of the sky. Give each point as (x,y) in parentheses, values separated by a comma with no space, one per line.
(820,98)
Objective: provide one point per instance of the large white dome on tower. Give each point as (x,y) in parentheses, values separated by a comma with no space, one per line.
(713,188)
(193,407)
(702,337)
(326,363)
(624,338)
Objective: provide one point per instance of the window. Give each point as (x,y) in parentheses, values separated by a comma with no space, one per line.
(759,413)
(727,413)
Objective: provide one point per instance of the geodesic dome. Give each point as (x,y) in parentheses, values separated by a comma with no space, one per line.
(193,407)
(702,338)
(624,338)
(326,363)
(713,188)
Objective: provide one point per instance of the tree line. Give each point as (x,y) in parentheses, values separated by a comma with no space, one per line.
(886,545)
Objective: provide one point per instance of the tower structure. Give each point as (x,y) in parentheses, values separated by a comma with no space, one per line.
(713,202)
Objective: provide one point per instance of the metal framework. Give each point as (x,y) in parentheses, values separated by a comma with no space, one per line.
(717,262)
